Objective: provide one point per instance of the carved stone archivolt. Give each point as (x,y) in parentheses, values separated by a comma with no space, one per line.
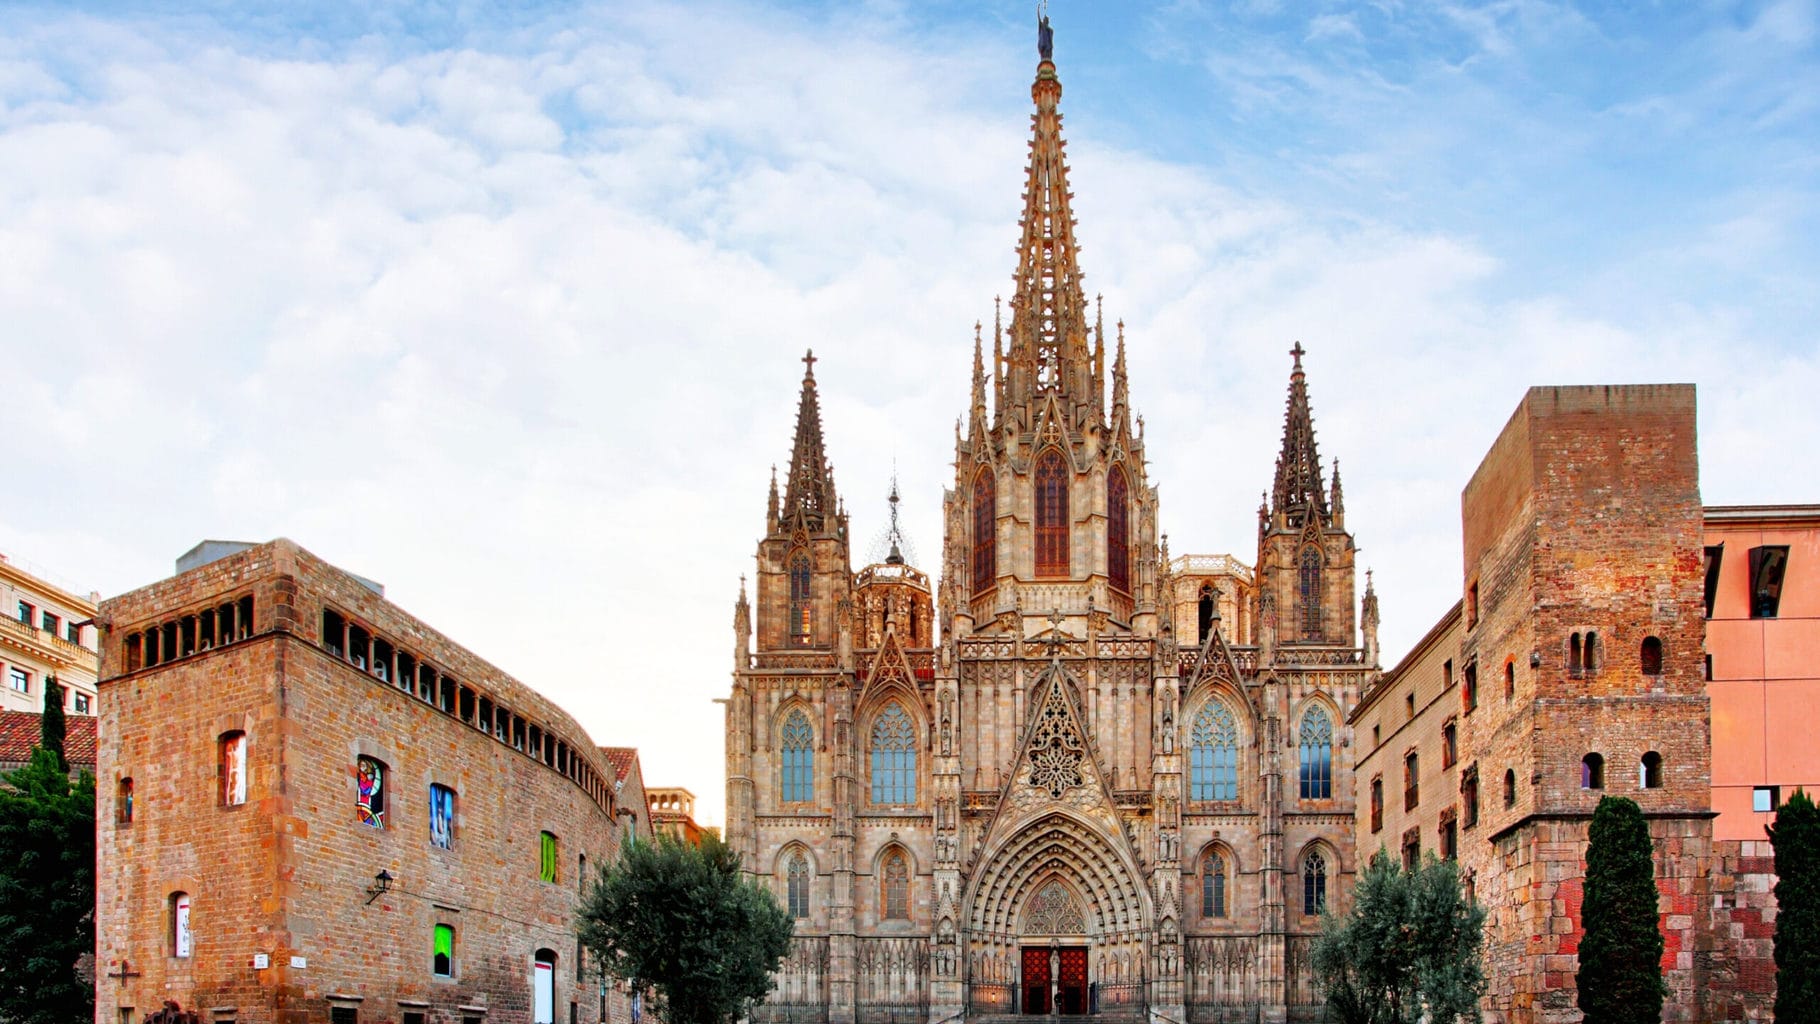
(1054,911)
(1057,846)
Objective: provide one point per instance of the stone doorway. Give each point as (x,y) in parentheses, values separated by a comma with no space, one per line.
(1054,980)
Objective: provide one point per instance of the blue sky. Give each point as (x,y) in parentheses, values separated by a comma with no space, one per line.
(502,304)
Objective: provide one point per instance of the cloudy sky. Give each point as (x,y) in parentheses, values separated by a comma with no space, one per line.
(502,304)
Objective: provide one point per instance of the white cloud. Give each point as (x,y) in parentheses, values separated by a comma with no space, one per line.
(517,332)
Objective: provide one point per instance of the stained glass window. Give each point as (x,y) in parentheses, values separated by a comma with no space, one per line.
(1311,594)
(442,817)
(985,531)
(801,620)
(233,768)
(1314,884)
(1317,755)
(1051,515)
(369,791)
(897,888)
(797,743)
(1213,754)
(546,869)
(798,885)
(1118,530)
(1213,886)
(893,757)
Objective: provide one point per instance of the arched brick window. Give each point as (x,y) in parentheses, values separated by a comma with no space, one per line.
(180,924)
(1650,771)
(232,768)
(1592,772)
(1118,530)
(1510,788)
(985,530)
(371,777)
(1213,754)
(1652,656)
(1051,514)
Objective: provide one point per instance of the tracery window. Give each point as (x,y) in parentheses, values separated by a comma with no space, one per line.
(1213,886)
(1213,754)
(796,783)
(1311,594)
(985,531)
(797,885)
(893,756)
(1051,515)
(1118,530)
(801,613)
(1316,755)
(1314,883)
(369,791)
(897,888)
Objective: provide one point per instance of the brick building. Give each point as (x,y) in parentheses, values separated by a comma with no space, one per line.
(1079,775)
(45,630)
(313,806)
(1576,665)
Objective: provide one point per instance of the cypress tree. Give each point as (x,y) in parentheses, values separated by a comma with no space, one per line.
(51,726)
(1796,837)
(1620,979)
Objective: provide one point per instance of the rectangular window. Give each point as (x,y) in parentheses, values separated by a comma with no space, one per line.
(26,612)
(344,1015)
(442,817)
(19,679)
(1377,804)
(1715,553)
(1469,686)
(1472,604)
(1765,799)
(1767,564)
(233,769)
(1449,745)
(546,870)
(1469,795)
(1410,794)
(1412,849)
(442,962)
(80,703)
(413,1017)
(51,623)
(75,633)
(1450,838)
(180,924)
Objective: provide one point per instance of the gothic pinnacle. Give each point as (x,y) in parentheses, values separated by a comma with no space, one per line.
(1298,488)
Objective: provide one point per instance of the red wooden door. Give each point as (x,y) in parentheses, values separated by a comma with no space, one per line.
(1071,994)
(1036,980)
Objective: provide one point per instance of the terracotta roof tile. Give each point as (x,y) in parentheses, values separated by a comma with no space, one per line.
(622,759)
(19,732)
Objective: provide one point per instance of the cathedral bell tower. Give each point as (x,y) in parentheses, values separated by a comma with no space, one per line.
(1051,508)
(804,568)
(1305,555)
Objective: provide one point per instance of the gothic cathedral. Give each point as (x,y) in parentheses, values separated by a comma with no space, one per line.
(1079,776)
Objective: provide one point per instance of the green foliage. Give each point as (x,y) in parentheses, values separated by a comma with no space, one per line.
(1620,980)
(47,892)
(683,923)
(50,726)
(1407,951)
(1796,836)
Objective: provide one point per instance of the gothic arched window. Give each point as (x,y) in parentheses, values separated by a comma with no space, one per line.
(1314,883)
(1118,530)
(1051,515)
(1311,594)
(796,744)
(1213,754)
(801,620)
(985,531)
(798,885)
(893,757)
(897,887)
(1213,886)
(1317,755)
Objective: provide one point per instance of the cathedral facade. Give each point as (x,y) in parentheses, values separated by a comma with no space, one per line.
(1075,775)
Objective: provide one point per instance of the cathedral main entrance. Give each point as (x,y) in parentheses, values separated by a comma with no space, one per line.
(1054,980)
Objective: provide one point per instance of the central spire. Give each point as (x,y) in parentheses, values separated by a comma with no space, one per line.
(1298,487)
(810,488)
(1049,349)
